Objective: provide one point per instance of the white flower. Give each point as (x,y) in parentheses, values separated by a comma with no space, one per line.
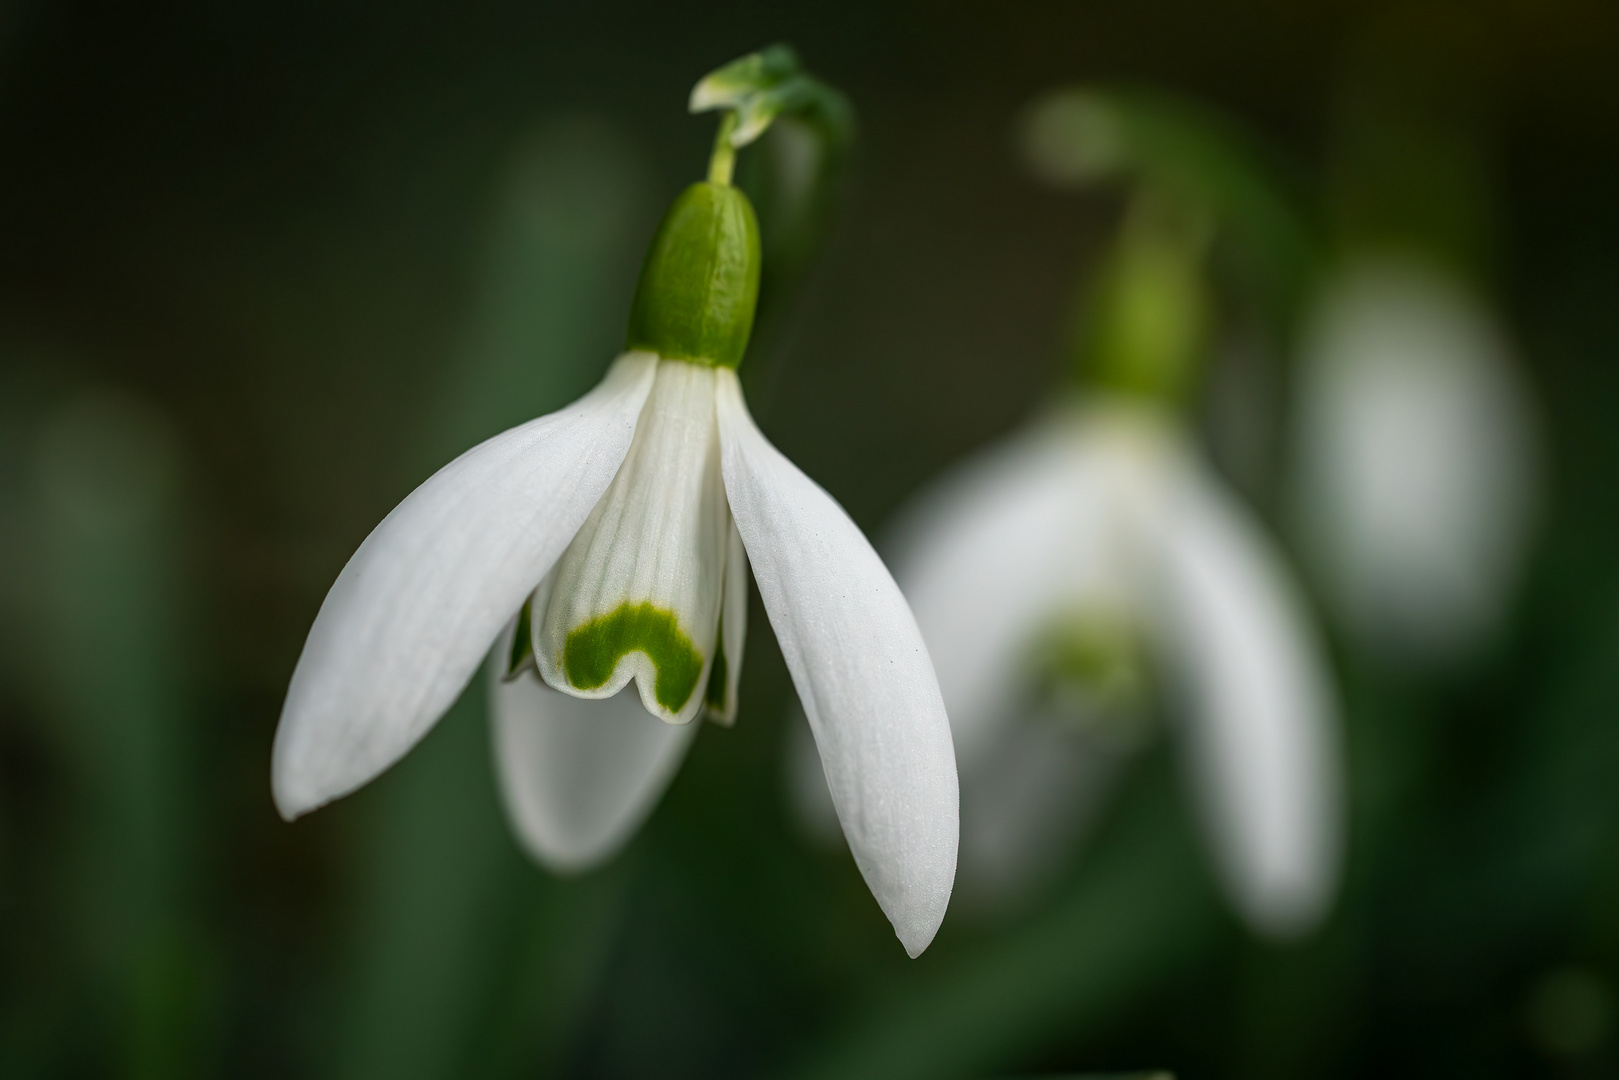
(1095,546)
(618,513)
(609,543)
(1416,459)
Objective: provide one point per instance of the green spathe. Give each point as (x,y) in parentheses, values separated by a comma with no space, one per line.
(700,282)
(714,696)
(521,655)
(593,651)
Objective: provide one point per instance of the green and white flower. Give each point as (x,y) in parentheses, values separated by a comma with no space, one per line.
(1065,580)
(609,543)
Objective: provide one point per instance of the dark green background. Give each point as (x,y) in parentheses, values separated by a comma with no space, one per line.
(295,252)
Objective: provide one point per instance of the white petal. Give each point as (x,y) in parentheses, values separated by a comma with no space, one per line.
(578,776)
(733,628)
(413,613)
(861,671)
(1416,459)
(1259,714)
(1004,547)
(637,594)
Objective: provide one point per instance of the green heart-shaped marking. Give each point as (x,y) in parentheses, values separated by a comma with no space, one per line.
(594,649)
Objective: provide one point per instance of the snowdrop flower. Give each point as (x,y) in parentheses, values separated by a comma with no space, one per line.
(608,544)
(1099,543)
(1415,458)
(1062,577)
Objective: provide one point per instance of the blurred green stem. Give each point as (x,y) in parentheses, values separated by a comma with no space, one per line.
(113,597)
(723,161)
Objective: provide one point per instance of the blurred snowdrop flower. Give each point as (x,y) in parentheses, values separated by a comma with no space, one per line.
(1415,458)
(1053,579)
(611,540)
(1092,564)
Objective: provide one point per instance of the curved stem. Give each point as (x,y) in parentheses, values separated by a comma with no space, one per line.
(723,161)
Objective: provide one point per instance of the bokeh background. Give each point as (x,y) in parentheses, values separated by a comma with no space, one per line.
(264,267)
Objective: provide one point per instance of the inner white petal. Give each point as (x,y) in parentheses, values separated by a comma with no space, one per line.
(577,777)
(637,594)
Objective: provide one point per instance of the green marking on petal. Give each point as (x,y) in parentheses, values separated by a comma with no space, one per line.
(1095,669)
(522,651)
(714,696)
(593,651)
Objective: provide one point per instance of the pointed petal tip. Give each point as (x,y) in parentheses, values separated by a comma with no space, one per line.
(301,780)
(1290,909)
(916,939)
(290,802)
(919,911)
(294,794)
(289,805)
(564,863)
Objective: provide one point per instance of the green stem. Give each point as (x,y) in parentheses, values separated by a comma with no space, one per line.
(723,161)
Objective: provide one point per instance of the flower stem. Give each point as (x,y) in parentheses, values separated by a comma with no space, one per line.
(723,161)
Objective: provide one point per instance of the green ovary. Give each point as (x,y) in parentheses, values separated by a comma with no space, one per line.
(593,651)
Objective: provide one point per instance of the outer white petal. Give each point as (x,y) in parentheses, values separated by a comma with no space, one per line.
(861,671)
(1257,707)
(984,559)
(578,776)
(413,613)
(1416,459)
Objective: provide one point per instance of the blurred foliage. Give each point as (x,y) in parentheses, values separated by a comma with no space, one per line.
(264,267)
